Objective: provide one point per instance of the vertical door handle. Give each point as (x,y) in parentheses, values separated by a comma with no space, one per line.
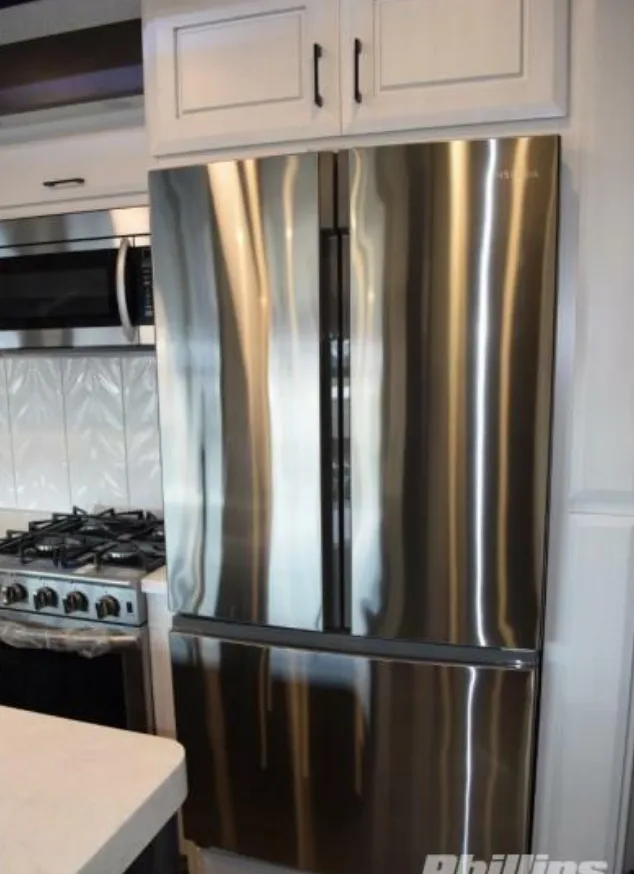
(344,434)
(358,48)
(122,303)
(330,393)
(317,56)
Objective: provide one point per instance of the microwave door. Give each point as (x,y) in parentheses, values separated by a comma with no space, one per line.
(74,292)
(237,273)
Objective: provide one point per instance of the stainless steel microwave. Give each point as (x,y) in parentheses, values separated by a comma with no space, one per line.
(77,280)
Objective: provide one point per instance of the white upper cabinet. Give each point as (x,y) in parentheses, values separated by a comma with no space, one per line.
(432,63)
(74,172)
(231,73)
(226,73)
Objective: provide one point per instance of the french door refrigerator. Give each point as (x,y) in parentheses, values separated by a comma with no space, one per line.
(355,359)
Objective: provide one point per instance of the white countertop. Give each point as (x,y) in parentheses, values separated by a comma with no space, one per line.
(156,582)
(18,520)
(81,799)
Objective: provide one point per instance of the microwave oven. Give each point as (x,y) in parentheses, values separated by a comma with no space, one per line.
(77,280)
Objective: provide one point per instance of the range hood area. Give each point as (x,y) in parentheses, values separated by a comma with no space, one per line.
(79,67)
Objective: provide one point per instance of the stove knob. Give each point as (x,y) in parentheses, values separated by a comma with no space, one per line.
(107,606)
(75,602)
(12,594)
(44,598)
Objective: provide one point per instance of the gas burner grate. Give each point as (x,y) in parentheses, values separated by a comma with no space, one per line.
(133,539)
(62,549)
(133,553)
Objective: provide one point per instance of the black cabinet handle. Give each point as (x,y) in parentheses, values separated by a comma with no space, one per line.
(358,96)
(72,182)
(317,55)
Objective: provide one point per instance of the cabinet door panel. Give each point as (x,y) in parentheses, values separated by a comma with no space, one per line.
(223,74)
(207,55)
(423,43)
(443,62)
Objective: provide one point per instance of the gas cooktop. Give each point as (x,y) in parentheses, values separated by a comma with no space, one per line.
(119,546)
(78,563)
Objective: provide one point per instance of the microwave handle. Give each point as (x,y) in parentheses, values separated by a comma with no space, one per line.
(129,330)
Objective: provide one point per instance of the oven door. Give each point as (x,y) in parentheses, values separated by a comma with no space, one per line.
(91,672)
(94,289)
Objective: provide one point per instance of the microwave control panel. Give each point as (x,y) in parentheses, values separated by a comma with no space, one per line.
(145,279)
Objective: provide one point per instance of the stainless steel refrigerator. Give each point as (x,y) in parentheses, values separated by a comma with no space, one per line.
(355,364)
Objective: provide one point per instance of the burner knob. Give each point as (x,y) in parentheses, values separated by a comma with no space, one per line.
(107,606)
(44,598)
(12,594)
(75,602)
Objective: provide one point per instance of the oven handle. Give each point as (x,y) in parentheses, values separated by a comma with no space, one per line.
(129,330)
(87,642)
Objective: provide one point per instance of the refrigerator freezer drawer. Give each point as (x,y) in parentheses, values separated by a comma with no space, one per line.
(341,764)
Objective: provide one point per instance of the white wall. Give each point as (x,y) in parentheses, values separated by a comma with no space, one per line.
(581,781)
(79,430)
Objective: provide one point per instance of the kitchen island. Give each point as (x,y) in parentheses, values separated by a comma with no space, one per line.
(82,799)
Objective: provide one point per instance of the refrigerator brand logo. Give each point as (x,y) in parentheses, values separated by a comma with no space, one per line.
(509,864)
(514,174)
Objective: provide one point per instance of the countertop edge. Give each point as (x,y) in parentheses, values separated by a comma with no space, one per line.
(156,582)
(141,828)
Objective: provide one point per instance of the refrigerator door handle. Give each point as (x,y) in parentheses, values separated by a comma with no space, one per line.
(344,432)
(331,398)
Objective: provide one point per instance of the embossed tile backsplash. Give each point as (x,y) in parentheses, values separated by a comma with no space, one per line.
(79,431)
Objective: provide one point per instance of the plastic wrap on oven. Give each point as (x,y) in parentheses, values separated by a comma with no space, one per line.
(87,642)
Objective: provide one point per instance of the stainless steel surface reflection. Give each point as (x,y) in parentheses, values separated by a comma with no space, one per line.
(452,254)
(236,256)
(72,232)
(343,764)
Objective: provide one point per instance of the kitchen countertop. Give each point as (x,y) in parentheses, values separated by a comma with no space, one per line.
(156,582)
(81,799)
(18,520)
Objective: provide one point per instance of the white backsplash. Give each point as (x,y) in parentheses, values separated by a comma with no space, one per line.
(79,430)
(7,478)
